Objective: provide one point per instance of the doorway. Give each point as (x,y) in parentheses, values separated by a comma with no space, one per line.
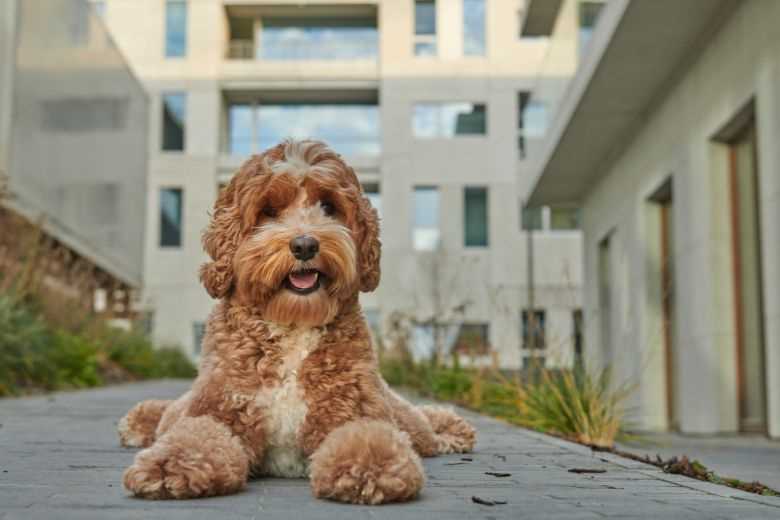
(746,261)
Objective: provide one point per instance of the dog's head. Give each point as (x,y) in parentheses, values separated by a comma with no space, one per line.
(293,236)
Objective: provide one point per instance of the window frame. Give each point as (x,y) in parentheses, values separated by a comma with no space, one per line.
(160,222)
(425,38)
(414,227)
(441,132)
(185,101)
(475,189)
(170,50)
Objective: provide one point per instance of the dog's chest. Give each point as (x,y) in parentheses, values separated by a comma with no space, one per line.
(284,407)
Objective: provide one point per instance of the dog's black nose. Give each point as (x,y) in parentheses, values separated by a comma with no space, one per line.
(304,247)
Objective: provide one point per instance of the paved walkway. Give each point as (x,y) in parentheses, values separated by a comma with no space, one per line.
(59,458)
(746,457)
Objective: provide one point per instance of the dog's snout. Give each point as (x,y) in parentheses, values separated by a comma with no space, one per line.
(304,247)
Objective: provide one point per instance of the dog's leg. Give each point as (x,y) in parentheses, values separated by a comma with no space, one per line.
(196,457)
(366,462)
(454,433)
(137,428)
(433,430)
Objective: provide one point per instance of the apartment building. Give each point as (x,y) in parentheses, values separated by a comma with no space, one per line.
(427,99)
(73,137)
(667,139)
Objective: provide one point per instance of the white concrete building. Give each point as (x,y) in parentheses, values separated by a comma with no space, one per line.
(667,137)
(427,99)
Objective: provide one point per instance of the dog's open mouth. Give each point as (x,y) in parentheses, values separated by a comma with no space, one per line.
(304,281)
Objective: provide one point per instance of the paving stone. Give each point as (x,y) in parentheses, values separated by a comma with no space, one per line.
(60,459)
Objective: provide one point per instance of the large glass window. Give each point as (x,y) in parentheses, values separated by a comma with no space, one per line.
(425,230)
(317,39)
(535,326)
(563,219)
(474,27)
(473,339)
(174,106)
(448,119)
(171,217)
(175,28)
(475,203)
(425,28)
(532,121)
(350,129)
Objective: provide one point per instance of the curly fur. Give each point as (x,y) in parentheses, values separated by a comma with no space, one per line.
(288,383)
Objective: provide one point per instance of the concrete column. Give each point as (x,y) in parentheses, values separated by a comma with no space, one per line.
(768,123)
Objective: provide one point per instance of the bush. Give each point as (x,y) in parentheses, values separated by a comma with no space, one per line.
(37,356)
(578,404)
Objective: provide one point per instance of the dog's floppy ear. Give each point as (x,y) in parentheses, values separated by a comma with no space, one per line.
(369,246)
(222,236)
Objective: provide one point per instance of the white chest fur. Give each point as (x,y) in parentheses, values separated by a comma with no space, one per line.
(284,407)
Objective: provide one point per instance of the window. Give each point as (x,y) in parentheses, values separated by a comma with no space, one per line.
(371,191)
(475,203)
(425,28)
(474,27)
(350,128)
(532,219)
(198,333)
(317,39)
(174,117)
(562,219)
(170,217)
(423,345)
(532,120)
(473,339)
(536,326)
(425,231)
(175,28)
(589,14)
(448,119)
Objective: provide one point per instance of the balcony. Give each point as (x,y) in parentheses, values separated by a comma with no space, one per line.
(284,41)
(347,120)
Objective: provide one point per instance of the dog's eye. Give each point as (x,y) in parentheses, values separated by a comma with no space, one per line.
(327,207)
(269,211)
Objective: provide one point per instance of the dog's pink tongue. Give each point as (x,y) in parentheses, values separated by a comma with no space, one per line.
(304,280)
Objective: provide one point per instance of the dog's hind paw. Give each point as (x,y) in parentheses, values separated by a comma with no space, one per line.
(454,434)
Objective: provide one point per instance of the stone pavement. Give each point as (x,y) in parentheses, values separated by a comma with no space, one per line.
(59,459)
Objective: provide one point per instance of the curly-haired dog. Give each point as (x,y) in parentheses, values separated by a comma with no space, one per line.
(288,383)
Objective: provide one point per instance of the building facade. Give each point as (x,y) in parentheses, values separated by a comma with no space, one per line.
(669,146)
(428,100)
(73,137)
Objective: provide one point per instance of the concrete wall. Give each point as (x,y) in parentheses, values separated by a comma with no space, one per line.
(494,277)
(739,64)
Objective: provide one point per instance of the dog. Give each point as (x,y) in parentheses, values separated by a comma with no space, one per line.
(288,383)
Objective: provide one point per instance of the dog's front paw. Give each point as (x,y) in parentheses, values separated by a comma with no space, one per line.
(366,462)
(198,457)
(454,434)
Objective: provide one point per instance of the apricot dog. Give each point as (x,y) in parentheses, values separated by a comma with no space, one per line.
(288,383)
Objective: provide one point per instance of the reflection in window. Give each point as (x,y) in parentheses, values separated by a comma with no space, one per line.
(425,230)
(174,106)
(425,28)
(317,39)
(532,219)
(350,129)
(448,119)
(564,218)
(372,193)
(175,28)
(589,14)
(475,202)
(535,326)
(473,339)
(532,120)
(170,217)
(474,27)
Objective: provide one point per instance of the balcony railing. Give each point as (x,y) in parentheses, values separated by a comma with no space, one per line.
(293,44)
(241,50)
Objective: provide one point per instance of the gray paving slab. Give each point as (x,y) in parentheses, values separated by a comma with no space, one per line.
(59,459)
